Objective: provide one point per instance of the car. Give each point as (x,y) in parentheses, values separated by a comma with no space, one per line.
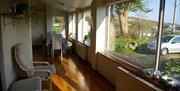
(170,44)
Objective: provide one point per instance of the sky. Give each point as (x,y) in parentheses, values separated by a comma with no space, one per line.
(169,10)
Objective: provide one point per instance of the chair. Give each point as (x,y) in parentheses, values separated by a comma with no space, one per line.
(43,70)
(57,44)
(30,84)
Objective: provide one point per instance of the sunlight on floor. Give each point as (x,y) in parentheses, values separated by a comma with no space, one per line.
(71,71)
(61,83)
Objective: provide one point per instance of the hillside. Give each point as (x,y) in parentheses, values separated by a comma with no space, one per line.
(136,24)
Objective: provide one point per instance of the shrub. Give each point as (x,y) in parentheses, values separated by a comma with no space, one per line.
(130,44)
(173,68)
(166,32)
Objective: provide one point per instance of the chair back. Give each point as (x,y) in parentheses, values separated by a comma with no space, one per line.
(24,63)
(57,42)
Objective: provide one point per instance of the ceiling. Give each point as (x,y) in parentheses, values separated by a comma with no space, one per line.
(67,5)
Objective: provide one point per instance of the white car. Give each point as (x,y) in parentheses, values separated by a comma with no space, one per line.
(170,44)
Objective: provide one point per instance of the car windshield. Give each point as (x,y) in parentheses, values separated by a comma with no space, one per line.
(167,38)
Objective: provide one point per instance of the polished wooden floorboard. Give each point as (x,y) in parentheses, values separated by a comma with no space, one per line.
(74,74)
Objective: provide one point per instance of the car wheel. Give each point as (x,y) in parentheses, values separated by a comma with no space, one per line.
(164,51)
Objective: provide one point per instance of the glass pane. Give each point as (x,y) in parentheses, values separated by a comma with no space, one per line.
(80,27)
(70,26)
(86,27)
(170,47)
(132,31)
(74,26)
(59,25)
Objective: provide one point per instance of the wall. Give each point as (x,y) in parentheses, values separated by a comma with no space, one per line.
(93,34)
(8,40)
(107,67)
(12,31)
(121,78)
(23,33)
(89,55)
(39,24)
(82,50)
(38,27)
(3,6)
(126,81)
(1,56)
(49,18)
(101,29)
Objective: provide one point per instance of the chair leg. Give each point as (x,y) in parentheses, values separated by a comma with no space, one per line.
(61,55)
(43,50)
(50,83)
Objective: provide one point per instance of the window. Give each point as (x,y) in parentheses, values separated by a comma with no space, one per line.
(80,27)
(84,27)
(176,40)
(129,35)
(132,35)
(59,25)
(72,26)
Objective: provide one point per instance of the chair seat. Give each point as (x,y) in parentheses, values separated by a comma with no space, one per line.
(47,67)
(30,84)
(44,75)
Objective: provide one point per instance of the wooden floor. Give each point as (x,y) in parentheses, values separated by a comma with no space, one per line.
(74,74)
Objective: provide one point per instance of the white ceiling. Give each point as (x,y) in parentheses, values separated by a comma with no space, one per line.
(67,5)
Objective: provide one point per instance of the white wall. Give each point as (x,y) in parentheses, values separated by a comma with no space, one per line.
(38,27)
(11,32)
(89,57)
(82,50)
(121,78)
(126,81)
(23,33)
(49,18)
(101,29)
(8,40)
(98,33)
(107,67)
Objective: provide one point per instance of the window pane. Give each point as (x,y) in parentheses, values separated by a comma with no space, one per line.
(170,47)
(59,25)
(80,27)
(132,35)
(132,32)
(86,27)
(72,26)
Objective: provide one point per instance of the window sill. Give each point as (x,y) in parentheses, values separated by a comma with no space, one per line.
(136,70)
(83,44)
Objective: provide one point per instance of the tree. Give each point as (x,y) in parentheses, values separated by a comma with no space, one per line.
(122,10)
(174,16)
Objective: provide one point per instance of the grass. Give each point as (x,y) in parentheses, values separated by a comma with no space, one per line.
(141,55)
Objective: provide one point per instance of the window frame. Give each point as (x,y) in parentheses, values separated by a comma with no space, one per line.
(130,66)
